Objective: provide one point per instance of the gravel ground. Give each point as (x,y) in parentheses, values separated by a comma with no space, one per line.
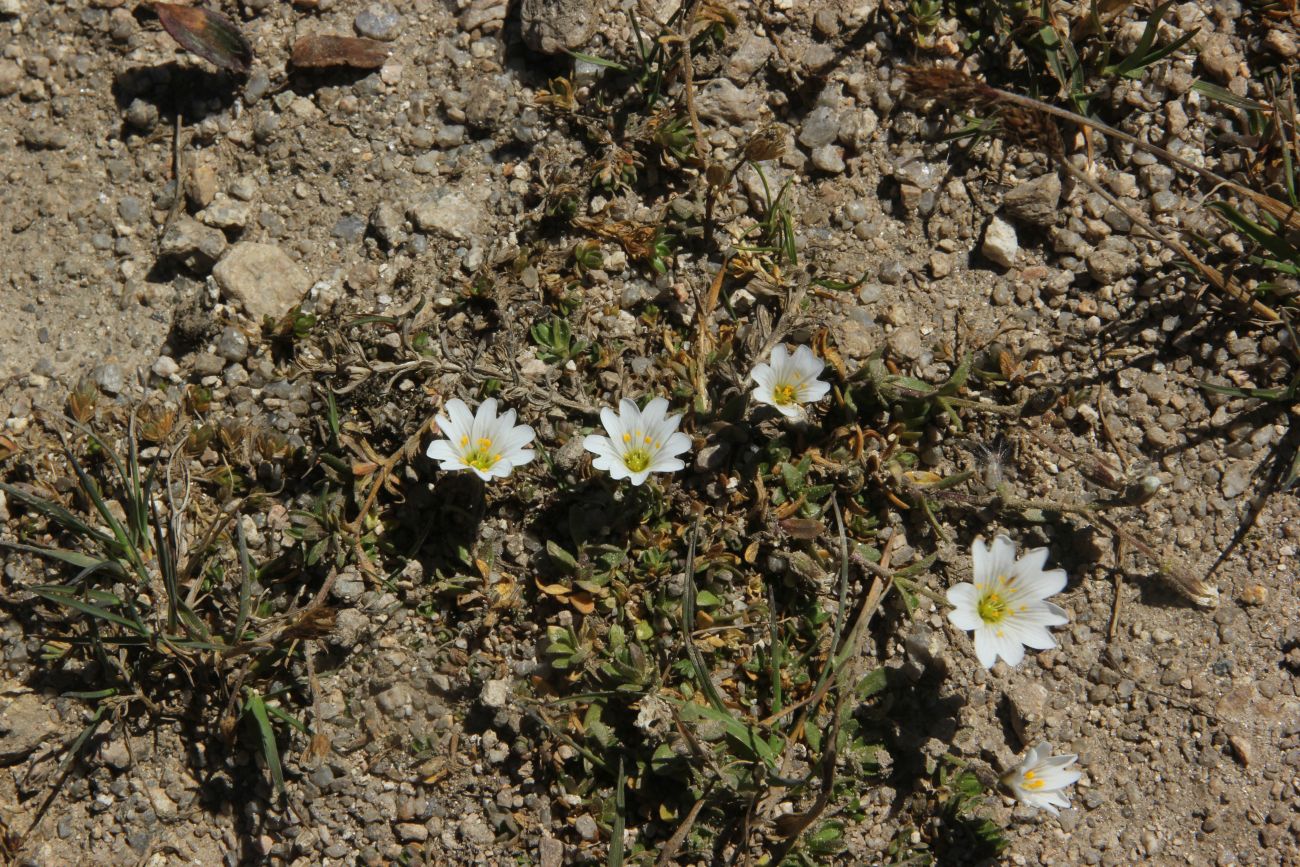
(426,192)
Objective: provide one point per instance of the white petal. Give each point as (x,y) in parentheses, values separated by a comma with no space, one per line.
(515,438)
(600,446)
(653,416)
(614,466)
(1004,645)
(1032,561)
(789,410)
(763,394)
(985,648)
(762,376)
(815,391)
(676,445)
(613,425)
(628,414)
(520,458)
(1061,762)
(638,478)
(441,450)
(780,358)
(485,420)
(1029,634)
(1003,557)
(808,363)
(461,420)
(663,464)
(1040,585)
(965,619)
(980,560)
(963,595)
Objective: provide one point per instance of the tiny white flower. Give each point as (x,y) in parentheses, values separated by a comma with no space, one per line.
(1039,779)
(789,381)
(490,445)
(640,442)
(1005,606)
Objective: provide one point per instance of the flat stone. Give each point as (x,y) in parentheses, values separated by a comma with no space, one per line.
(495,694)
(197,246)
(109,378)
(1000,245)
(829,158)
(1106,266)
(378,21)
(555,26)
(261,278)
(1034,202)
(452,215)
(550,852)
(25,723)
(225,214)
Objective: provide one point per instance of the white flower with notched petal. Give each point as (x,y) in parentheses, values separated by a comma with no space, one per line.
(1005,606)
(1039,779)
(640,442)
(490,445)
(789,381)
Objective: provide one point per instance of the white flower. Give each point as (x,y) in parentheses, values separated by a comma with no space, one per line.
(790,380)
(1005,606)
(489,445)
(1038,780)
(639,442)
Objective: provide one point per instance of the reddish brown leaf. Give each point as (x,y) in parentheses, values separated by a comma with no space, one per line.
(802,528)
(317,52)
(208,34)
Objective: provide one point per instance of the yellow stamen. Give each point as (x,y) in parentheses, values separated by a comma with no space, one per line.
(991,608)
(783,394)
(637,460)
(1033,784)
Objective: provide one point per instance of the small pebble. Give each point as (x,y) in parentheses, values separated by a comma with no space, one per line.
(378,21)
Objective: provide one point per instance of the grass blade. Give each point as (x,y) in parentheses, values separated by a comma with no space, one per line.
(257,706)
(60,596)
(59,515)
(620,809)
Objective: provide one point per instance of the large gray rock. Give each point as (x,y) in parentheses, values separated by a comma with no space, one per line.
(194,244)
(452,215)
(555,26)
(25,722)
(262,279)
(1034,202)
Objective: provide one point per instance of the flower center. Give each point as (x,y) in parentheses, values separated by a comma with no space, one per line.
(637,459)
(481,457)
(992,608)
(783,394)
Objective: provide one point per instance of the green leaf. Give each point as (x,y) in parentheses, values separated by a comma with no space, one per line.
(58,514)
(62,596)
(563,557)
(257,706)
(72,558)
(752,744)
(707,599)
(1227,97)
(873,684)
(599,61)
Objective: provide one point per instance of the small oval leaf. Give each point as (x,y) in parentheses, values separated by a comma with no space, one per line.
(210,35)
(318,52)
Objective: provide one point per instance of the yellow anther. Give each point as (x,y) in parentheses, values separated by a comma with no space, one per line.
(783,394)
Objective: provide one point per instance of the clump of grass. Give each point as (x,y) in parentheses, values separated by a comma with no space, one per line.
(151,602)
